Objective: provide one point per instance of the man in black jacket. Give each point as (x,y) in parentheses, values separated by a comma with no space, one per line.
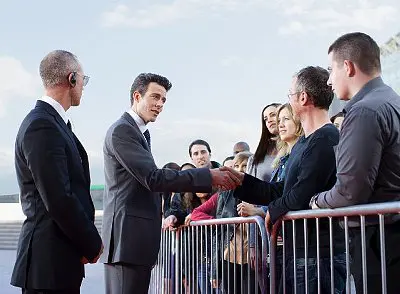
(58,236)
(310,169)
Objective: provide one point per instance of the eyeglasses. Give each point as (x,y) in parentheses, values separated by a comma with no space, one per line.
(85,79)
(291,94)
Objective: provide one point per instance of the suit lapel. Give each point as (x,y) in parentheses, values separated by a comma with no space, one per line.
(74,140)
(126,116)
(58,118)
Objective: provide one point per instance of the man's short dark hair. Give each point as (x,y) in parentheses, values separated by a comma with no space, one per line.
(358,48)
(142,81)
(228,158)
(198,142)
(313,80)
(242,144)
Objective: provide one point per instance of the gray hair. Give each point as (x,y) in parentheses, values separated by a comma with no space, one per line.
(56,66)
(314,81)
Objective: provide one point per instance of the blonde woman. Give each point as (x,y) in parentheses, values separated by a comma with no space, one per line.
(289,130)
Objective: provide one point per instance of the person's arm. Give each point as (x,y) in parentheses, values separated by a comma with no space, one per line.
(258,192)
(359,155)
(317,167)
(176,209)
(206,210)
(44,149)
(137,160)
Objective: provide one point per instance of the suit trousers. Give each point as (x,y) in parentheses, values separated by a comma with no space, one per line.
(373,258)
(122,278)
(69,291)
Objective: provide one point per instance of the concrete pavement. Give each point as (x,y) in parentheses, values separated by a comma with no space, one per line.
(92,284)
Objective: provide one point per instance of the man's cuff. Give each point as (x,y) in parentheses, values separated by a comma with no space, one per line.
(276,210)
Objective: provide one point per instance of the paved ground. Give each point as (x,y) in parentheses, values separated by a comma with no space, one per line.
(93,284)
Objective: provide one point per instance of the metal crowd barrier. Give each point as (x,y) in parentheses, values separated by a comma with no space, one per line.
(192,256)
(310,220)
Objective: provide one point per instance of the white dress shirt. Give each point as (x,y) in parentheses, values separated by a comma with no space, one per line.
(57,106)
(139,121)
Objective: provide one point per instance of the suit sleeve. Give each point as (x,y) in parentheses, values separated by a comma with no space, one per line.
(44,150)
(127,147)
(256,191)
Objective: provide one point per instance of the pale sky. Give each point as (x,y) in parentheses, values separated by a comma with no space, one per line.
(226,59)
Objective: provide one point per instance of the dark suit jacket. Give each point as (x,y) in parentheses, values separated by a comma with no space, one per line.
(53,175)
(132,206)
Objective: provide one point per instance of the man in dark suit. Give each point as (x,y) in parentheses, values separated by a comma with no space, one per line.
(132,202)
(58,236)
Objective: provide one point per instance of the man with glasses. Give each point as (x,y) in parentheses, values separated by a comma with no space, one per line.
(58,236)
(310,169)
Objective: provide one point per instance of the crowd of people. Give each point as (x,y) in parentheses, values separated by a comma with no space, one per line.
(304,160)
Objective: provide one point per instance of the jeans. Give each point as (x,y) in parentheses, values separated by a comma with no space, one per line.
(339,271)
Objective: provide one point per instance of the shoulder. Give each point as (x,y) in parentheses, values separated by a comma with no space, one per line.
(122,128)
(377,101)
(328,134)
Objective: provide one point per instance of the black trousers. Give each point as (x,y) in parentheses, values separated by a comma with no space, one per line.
(126,278)
(70,291)
(373,258)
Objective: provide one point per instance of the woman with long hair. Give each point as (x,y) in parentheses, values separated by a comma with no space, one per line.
(260,164)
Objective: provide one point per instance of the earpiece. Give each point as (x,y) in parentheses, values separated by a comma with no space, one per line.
(72,79)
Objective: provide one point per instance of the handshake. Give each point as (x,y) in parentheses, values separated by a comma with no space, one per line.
(225,178)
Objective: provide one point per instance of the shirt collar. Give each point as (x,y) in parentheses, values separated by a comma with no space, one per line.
(368,87)
(139,121)
(57,106)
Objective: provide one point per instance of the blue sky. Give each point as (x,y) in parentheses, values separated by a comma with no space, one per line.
(225,58)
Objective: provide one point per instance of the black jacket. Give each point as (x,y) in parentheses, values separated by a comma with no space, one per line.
(53,175)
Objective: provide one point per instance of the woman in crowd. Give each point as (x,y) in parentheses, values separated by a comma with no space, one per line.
(260,164)
(223,205)
(290,130)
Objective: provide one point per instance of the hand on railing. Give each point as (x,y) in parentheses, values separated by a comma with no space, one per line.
(246,209)
(188,219)
(169,223)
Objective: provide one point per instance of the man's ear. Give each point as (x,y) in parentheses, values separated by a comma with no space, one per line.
(350,68)
(136,96)
(303,98)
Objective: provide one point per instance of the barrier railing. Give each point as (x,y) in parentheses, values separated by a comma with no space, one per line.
(213,256)
(296,260)
(318,251)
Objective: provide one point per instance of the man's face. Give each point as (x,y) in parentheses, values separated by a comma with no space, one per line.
(338,78)
(76,92)
(200,156)
(294,98)
(150,105)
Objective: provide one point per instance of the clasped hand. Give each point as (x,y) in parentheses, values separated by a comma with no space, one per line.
(225,178)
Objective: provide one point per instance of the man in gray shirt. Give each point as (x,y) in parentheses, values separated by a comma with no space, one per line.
(368,154)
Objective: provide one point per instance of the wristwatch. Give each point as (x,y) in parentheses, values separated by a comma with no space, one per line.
(314,202)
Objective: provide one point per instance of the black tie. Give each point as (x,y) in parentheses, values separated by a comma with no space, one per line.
(147,136)
(69,126)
